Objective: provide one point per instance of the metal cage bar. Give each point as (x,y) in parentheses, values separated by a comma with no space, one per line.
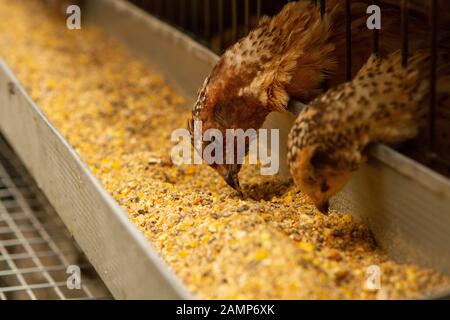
(246,16)
(376,37)
(234,20)
(207,23)
(405,38)
(322,7)
(258,9)
(433,66)
(35,246)
(220,24)
(348,39)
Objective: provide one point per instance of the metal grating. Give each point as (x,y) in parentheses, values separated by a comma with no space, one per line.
(220,23)
(35,246)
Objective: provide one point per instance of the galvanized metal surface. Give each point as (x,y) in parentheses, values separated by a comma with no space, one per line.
(406,205)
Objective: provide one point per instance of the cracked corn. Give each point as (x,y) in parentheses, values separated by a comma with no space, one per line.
(118,114)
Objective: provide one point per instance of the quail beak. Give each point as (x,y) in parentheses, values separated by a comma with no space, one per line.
(323,206)
(233,180)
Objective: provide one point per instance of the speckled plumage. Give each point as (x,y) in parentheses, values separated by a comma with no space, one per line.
(289,56)
(260,73)
(259,68)
(383,103)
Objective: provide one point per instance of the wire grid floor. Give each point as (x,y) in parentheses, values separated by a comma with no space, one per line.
(35,246)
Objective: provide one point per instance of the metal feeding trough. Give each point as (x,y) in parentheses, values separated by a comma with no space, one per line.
(406,204)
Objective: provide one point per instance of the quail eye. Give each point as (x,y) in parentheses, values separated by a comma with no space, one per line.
(324,187)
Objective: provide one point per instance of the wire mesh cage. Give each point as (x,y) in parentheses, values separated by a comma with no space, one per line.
(35,246)
(219,23)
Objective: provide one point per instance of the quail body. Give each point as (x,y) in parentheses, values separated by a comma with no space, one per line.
(284,57)
(384,103)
